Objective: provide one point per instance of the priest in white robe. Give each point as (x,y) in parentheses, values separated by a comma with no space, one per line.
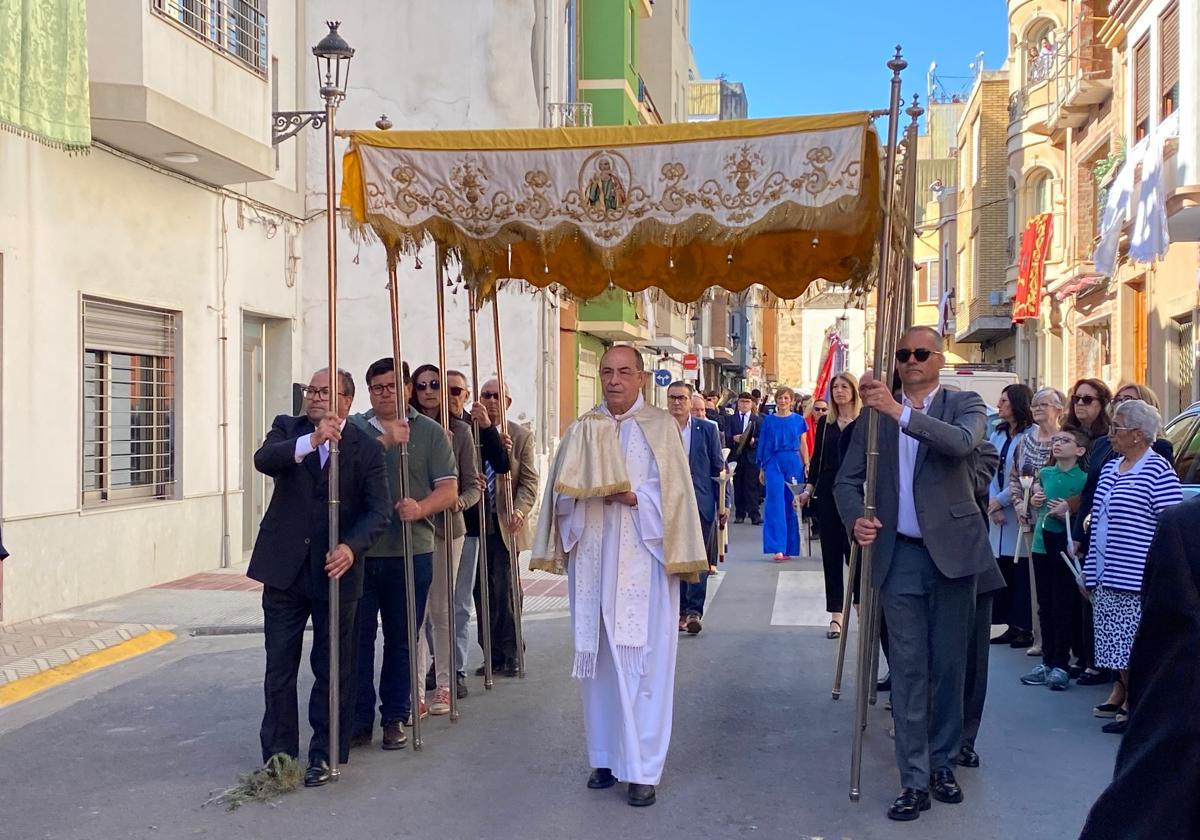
(619,518)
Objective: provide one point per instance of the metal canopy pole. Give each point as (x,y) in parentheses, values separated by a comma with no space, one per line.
(506,493)
(416,684)
(447,515)
(485,604)
(869,628)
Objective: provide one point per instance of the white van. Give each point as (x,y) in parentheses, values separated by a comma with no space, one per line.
(989,384)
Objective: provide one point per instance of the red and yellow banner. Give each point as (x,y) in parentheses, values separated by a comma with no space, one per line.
(1031,268)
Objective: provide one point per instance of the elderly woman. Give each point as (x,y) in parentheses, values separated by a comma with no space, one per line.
(1032,453)
(1012,604)
(1134,489)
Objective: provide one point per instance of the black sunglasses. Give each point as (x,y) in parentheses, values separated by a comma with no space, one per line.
(432,385)
(456,391)
(1083,399)
(921,354)
(489,395)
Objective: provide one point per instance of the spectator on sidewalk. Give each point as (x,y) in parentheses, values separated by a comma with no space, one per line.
(1012,605)
(292,561)
(508,531)
(741,438)
(432,485)
(428,392)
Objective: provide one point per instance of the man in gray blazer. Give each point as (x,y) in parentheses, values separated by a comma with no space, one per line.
(929,543)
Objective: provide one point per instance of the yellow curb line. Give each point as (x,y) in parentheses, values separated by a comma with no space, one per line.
(18,690)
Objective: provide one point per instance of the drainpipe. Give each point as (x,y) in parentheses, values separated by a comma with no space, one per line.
(223,377)
(545,118)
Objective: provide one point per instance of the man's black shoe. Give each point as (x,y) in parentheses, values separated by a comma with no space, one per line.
(394,736)
(755,520)
(430,679)
(884,684)
(640,795)
(360,739)
(1021,641)
(739,520)
(460,685)
(909,805)
(601,778)
(944,788)
(967,757)
(509,669)
(1094,678)
(317,775)
(1005,637)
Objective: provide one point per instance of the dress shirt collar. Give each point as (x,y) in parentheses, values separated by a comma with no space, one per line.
(905,401)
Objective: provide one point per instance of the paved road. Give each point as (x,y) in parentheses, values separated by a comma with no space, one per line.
(759,749)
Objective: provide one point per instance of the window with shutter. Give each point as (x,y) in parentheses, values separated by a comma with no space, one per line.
(1141,89)
(129,421)
(1168,61)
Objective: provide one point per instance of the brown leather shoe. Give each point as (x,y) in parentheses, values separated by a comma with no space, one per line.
(394,736)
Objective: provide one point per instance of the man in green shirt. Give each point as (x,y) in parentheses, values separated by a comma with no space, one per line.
(432,488)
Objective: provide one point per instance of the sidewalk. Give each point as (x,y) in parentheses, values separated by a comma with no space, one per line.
(220,602)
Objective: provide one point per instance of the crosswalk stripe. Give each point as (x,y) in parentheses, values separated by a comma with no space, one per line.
(799,600)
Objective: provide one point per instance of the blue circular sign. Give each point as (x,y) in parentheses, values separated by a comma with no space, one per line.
(663,378)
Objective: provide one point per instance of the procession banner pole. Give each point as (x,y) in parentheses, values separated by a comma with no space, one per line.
(506,491)
(883,303)
(447,515)
(416,685)
(335,388)
(847,603)
(484,621)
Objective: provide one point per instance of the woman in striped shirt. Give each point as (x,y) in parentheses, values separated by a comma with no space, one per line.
(1133,490)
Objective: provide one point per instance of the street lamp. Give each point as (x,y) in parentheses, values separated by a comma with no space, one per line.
(333,56)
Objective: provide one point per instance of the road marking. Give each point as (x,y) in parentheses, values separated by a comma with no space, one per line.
(18,690)
(800,600)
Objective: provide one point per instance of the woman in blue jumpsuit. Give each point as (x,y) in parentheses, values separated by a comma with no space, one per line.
(780,444)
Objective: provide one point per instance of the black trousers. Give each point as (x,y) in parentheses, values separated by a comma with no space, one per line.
(285,614)
(1060,606)
(501,618)
(835,554)
(975,688)
(1012,606)
(747,491)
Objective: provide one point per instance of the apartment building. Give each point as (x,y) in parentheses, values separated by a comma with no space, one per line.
(150,304)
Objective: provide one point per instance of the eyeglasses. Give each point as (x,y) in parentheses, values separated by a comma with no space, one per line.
(1116,429)
(314,393)
(1124,399)
(1083,399)
(431,385)
(456,391)
(677,397)
(820,410)
(1045,405)
(489,395)
(921,354)
(380,390)
(1065,439)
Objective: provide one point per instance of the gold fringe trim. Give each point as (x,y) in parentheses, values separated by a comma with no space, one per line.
(687,567)
(592,492)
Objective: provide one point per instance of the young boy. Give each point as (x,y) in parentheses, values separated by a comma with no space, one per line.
(1059,602)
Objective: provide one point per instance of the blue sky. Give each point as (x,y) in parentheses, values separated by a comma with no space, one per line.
(819,56)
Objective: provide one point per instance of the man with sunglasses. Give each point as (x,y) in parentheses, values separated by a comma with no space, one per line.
(930,543)
(292,561)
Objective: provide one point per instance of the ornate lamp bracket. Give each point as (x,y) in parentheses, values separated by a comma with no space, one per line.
(288,123)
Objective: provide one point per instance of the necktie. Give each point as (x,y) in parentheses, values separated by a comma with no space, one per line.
(491,485)
(323,454)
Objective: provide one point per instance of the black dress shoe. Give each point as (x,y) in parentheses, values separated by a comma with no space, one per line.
(509,669)
(741,520)
(640,795)
(460,685)
(967,757)
(360,739)
(317,775)
(756,520)
(394,736)
(884,684)
(480,671)
(1005,637)
(1094,678)
(909,805)
(1021,641)
(601,778)
(944,787)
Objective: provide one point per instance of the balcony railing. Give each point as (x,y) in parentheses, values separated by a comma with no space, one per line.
(570,114)
(1074,66)
(237,28)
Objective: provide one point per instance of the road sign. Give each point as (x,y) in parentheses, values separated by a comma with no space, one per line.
(691,361)
(662,378)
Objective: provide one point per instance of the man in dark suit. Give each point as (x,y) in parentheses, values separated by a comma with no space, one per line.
(929,545)
(1153,790)
(292,561)
(712,411)
(704,460)
(741,436)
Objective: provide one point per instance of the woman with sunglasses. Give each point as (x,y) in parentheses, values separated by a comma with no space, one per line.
(427,399)
(831,427)
(781,458)
(1134,488)
(1102,452)
(1087,410)
(1012,604)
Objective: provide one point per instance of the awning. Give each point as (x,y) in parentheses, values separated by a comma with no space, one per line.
(681,207)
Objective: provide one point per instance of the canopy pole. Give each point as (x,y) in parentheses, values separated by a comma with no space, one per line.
(447,514)
(506,491)
(335,389)
(416,680)
(485,604)
(868,633)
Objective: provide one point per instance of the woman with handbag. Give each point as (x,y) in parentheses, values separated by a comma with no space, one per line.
(826,459)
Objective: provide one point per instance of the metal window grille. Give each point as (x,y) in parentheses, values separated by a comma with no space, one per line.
(128,403)
(1184,352)
(237,28)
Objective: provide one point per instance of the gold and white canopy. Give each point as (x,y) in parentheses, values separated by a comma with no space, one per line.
(680,207)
